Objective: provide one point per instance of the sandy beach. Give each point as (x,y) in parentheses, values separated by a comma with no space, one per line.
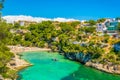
(16,63)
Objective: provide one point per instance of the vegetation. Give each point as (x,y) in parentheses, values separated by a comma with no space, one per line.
(1,7)
(118,18)
(101,20)
(5,54)
(67,37)
(1,4)
(119,27)
(92,22)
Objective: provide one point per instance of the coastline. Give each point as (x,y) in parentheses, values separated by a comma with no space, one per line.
(20,63)
(17,63)
(112,69)
(108,67)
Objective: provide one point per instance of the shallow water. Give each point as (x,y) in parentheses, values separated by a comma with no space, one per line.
(44,68)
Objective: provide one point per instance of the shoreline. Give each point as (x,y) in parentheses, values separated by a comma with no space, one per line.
(17,63)
(21,63)
(108,67)
(114,69)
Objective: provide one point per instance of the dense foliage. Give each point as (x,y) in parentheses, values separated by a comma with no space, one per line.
(66,37)
(5,54)
(119,27)
(101,20)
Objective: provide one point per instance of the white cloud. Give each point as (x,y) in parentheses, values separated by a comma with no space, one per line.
(11,19)
(64,19)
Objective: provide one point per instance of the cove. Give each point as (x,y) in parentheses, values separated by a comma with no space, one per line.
(45,68)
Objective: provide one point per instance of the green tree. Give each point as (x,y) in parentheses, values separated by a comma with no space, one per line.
(17,25)
(40,44)
(28,37)
(101,20)
(1,4)
(92,22)
(75,23)
(26,43)
(17,39)
(4,30)
(89,29)
(66,27)
(117,18)
(1,7)
(119,27)
(5,56)
(12,74)
(95,51)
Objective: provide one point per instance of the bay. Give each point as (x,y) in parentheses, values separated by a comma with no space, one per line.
(52,66)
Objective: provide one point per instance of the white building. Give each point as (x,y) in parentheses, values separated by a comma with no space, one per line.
(22,23)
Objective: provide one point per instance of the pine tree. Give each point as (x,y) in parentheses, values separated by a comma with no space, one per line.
(1,7)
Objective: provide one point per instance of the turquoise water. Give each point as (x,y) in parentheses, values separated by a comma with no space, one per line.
(44,68)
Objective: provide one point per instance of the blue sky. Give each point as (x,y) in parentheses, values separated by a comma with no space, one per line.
(78,9)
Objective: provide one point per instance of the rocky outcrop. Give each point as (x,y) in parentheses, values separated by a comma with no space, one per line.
(86,59)
(110,68)
(70,56)
(83,58)
(80,57)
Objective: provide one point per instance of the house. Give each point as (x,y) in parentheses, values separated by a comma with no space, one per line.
(101,27)
(22,23)
(109,27)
